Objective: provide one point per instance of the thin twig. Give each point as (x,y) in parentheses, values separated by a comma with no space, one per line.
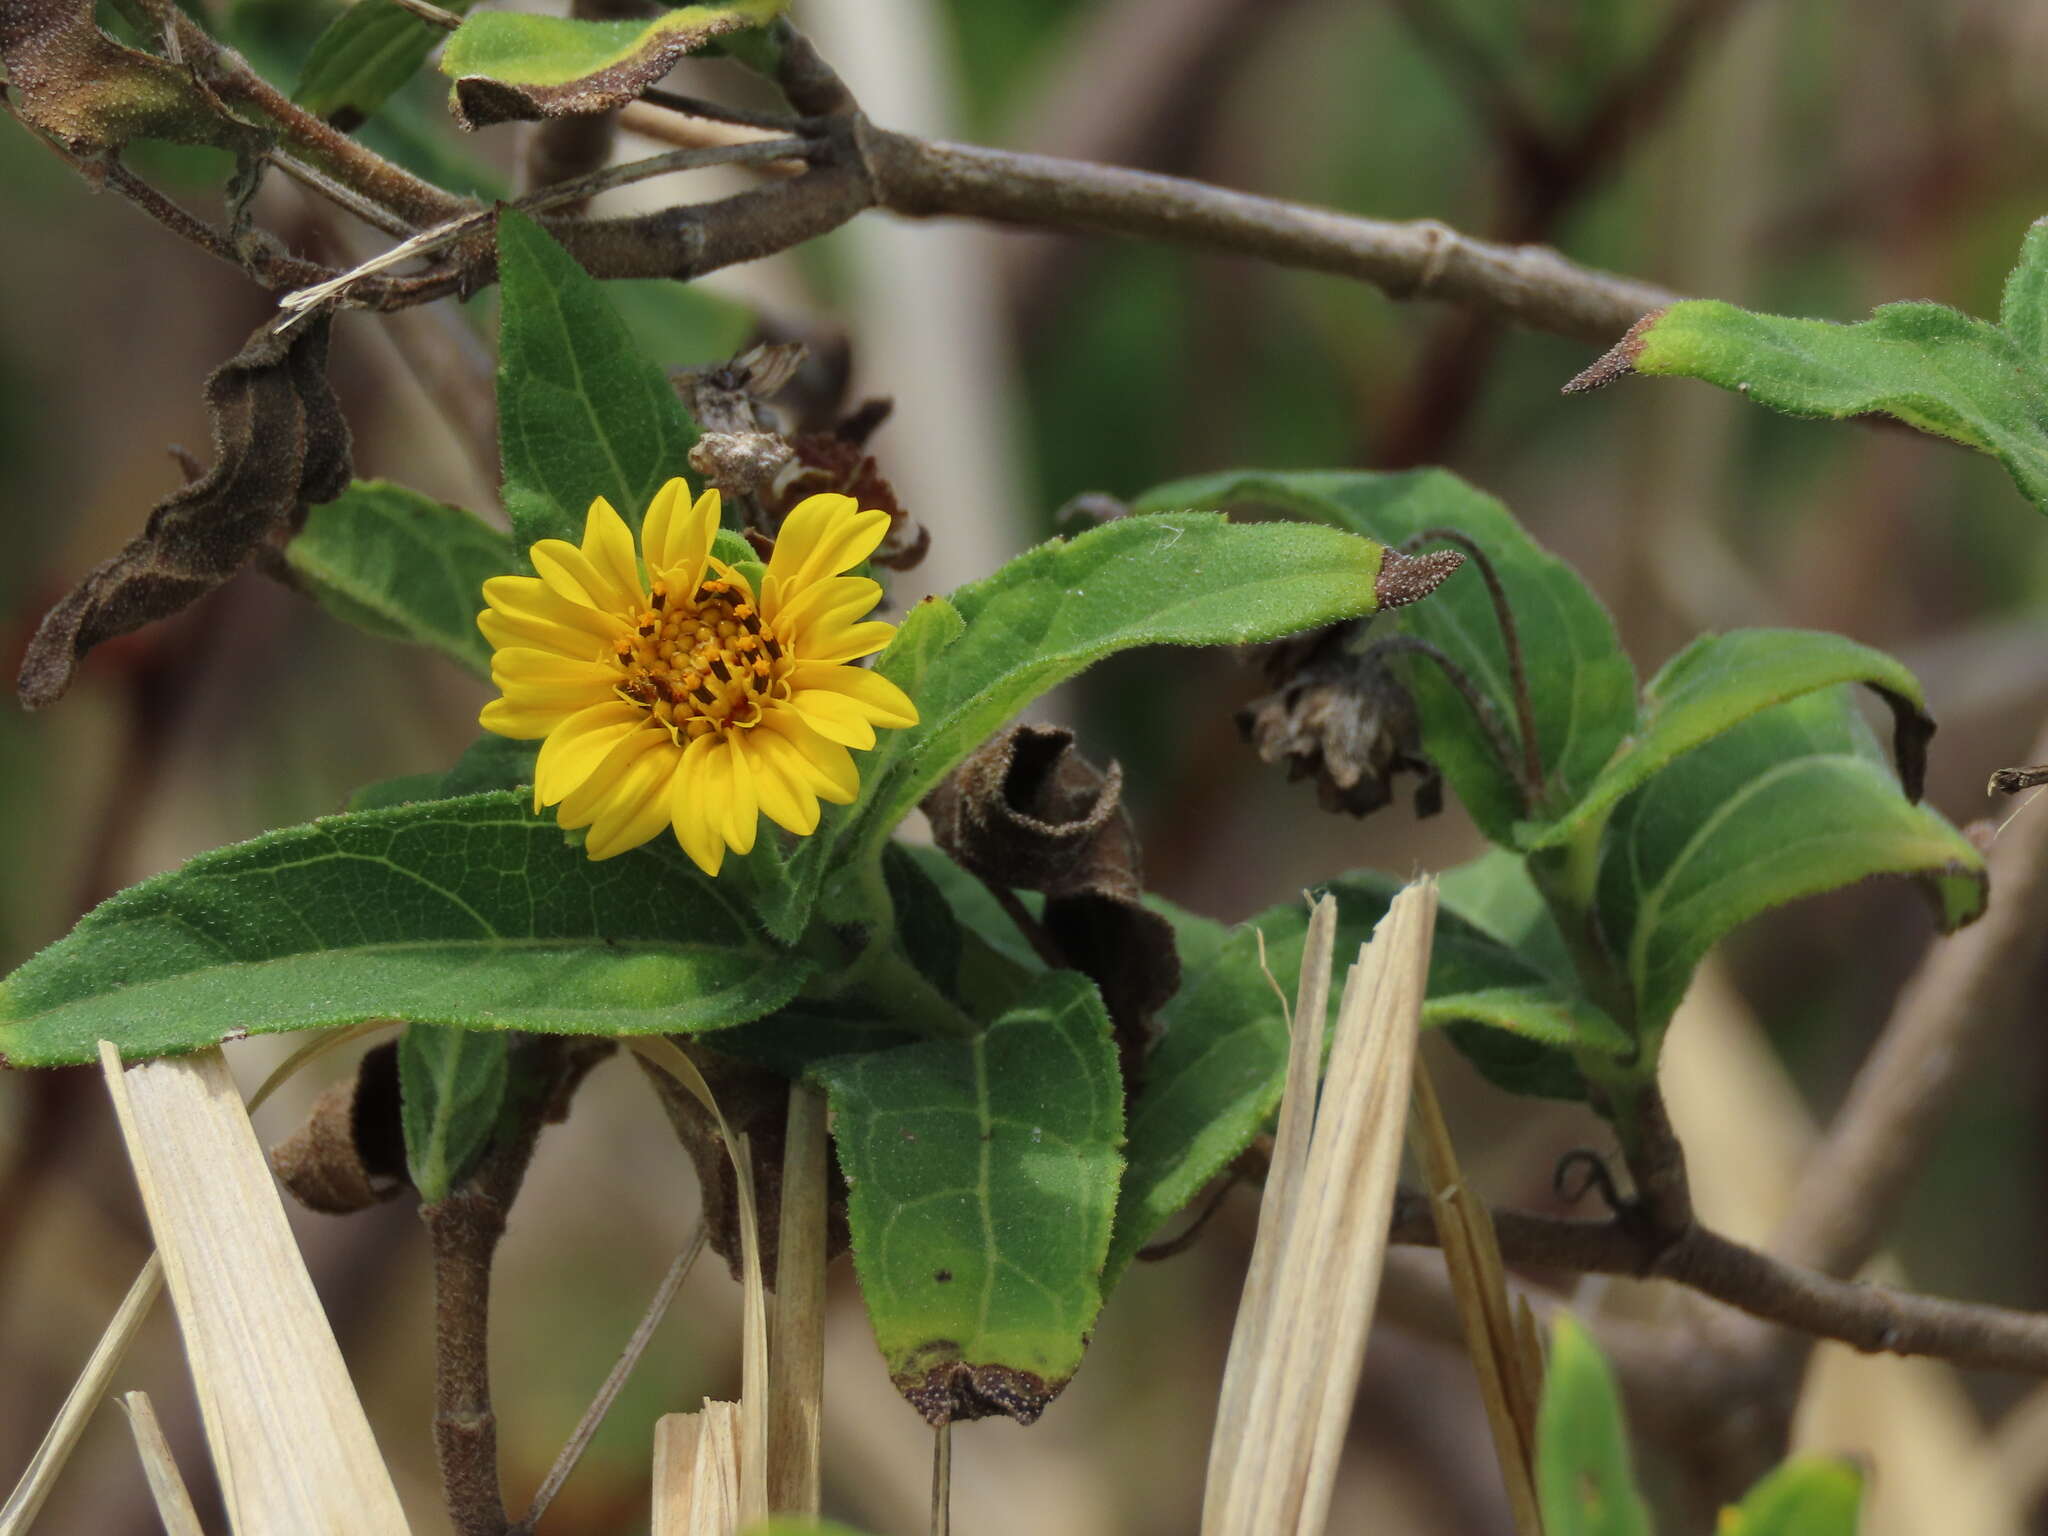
(1850,1189)
(942,1479)
(575,190)
(600,1405)
(343,196)
(1872,1318)
(447,21)
(717,112)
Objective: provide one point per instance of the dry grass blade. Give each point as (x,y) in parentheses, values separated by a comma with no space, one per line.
(290,1442)
(1501,1339)
(90,1389)
(166,1483)
(698,1472)
(1304,1345)
(796,1364)
(1290,1154)
(752,1433)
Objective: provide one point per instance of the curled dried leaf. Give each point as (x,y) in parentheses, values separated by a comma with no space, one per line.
(756,1106)
(350,1153)
(1027,811)
(1343,719)
(92,94)
(279,445)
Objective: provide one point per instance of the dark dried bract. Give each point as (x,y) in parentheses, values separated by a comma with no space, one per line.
(350,1153)
(1343,720)
(955,1392)
(1617,362)
(279,445)
(1028,812)
(1406,579)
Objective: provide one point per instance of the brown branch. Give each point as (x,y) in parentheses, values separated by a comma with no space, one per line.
(1871,1318)
(417,201)
(1851,1187)
(1531,285)
(464,1230)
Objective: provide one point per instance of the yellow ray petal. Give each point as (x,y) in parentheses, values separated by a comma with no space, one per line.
(834,716)
(507,631)
(781,782)
(880,700)
(829,766)
(678,548)
(822,536)
(842,597)
(571,575)
(543,680)
(529,598)
(847,642)
(608,546)
(580,743)
(636,809)
(586,802)
(742,805)
(691,811)
(502,717)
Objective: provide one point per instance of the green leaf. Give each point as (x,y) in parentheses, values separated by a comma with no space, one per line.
(1191,579)
(1930,366)
(451,1083)
(1583,1478)
(466,912)
(983,1176)
(489,762)
(366,53)
(1806,1496)
(1792,802)
(1721,680)
(582,413)
(403,565)
(1581,686)
(510,66)
(1214,1079)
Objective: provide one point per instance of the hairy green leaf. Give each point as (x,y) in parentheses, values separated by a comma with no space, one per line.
(1791,802)
(1215,1077)
(467,912)
(1581,685)
(1806,1496)
(1932,367)
(509,65)
(366,53)
(403,565)
(1721,680)
(983,1175)
(1584,1480)
(582,412)
(451,1084)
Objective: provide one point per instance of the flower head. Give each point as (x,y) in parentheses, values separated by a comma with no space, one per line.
(666,692)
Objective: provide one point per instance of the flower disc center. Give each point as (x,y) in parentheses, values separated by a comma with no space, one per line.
(704,662)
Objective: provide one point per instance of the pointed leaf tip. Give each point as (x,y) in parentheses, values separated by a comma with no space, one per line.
(1406,579)
(1618,361)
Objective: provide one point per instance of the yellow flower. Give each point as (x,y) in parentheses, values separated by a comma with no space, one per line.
(670,694)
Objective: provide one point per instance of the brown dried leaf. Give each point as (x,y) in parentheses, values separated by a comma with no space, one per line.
(1344,720)
(350,1153)
(76,84)
(756,1106)
(1027,811)
(279,444)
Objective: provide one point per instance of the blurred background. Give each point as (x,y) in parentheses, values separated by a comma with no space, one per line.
(1814,158)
